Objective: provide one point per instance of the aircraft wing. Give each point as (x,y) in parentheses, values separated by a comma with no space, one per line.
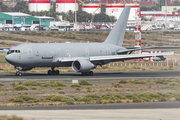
(127,57)
(113,57)
(4,50)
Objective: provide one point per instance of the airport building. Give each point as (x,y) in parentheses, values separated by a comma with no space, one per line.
(13,17)
(45,20)
(18,18)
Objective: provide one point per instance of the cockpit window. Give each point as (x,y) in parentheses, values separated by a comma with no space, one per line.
(12,51)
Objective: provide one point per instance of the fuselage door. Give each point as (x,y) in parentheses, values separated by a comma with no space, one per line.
(30,53)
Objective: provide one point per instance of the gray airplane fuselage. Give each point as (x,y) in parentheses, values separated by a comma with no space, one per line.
(82,57)
(43,54)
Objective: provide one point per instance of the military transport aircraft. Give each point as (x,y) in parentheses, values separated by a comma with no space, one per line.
(82,57)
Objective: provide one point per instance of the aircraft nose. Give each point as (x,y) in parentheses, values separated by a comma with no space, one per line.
(8,59)
(12,59)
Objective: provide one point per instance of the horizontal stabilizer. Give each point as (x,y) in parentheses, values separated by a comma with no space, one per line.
(131,50)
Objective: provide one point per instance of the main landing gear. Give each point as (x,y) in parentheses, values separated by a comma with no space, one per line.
(53,72)
(90,73)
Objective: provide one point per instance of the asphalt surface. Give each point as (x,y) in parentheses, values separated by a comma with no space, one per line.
(117,114)
(98,76)
(150,105)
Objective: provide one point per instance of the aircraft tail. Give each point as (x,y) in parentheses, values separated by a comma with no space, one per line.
(116,35)
(22,23)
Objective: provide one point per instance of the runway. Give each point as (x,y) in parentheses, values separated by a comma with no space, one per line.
(115,75)
(120,114)
(148,105)
(121,111)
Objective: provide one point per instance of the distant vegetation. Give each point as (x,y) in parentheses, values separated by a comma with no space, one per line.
(10,118)
(121,91)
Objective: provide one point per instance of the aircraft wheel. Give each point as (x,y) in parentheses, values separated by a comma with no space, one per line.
(57,72)
(91,73)
(49,72)
(54,72)
(87,74)
(18,74)
(82,73)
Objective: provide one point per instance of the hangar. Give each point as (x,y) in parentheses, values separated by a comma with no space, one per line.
(18,18)
(13,17)
(45,20)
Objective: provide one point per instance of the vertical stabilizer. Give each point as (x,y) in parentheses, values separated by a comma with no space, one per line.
(116,35)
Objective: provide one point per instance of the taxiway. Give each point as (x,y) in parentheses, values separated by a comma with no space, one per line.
(115,75)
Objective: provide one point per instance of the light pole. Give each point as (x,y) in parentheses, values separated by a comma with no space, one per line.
(75,25)
(166,15)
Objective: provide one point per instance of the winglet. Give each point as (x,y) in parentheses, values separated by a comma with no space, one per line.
(116,35)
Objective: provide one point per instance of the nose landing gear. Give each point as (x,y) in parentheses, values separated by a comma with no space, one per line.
(18,73)
(53,72)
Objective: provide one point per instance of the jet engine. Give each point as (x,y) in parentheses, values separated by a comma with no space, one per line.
(82,65)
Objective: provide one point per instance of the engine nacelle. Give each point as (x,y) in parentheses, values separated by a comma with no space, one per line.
(82,65)
(159,58)
(24,68)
